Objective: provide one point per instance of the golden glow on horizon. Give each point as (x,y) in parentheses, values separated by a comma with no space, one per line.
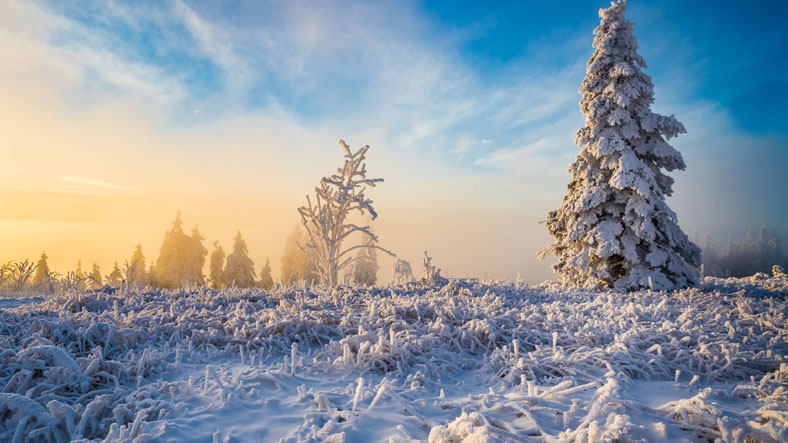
(87,172)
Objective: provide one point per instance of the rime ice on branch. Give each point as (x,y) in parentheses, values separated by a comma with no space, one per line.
(614,227)
(325,220)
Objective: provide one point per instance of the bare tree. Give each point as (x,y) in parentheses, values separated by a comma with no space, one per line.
(326,222)
(6,275)
(72,281)
(21,273)
(133,271)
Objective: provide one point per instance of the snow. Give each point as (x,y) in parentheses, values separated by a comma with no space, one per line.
(456,362)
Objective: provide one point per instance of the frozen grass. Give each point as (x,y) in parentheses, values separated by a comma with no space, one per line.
(461,362)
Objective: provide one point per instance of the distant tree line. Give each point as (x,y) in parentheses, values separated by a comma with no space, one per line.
(745,257)
(181,262)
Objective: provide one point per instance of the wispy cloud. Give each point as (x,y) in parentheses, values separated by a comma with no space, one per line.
(91,182)
(83,54)
(215,42)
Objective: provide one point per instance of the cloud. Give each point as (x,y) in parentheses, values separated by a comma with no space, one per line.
(216,43)
(91,182)
(81,54)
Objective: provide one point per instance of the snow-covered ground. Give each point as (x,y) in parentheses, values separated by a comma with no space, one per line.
(462,362)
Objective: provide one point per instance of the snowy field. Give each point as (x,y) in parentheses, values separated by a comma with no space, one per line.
(462,362)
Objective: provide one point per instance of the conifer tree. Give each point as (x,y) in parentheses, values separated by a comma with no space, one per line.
(79,273)
(217,266)
(181,257)
(42,278)
(196,260)
(115,277)
(295,265)
(150,277)
(614,228)
(266,280)
(135,271)
(95,274)
(239,271)
(365,268)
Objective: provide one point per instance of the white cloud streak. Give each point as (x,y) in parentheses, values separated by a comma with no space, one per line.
(91,182)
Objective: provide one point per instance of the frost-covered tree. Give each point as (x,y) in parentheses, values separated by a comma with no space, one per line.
(115,277)
(42,278)
(95,275)
(239,271)
(297,266)
(79,272)
(216,265)
(150,277)
(266,280)
(135,268)
(326,219)
(365,269)
(432,273)
(614,228)
(181,257)
(403,273)
(196,258)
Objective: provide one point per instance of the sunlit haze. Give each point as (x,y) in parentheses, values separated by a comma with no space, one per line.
(114,116)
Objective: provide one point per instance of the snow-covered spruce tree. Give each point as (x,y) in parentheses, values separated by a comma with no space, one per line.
(239,271)
(181,257)
(266,280)
(216,265)
(42,279)
(95,276)
(365,270)
(79,272)
(326,221)
(151,278)
(614,228)
(135,269)
(196,258)
(296,266)
(115,277)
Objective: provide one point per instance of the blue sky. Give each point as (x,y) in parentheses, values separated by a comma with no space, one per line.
(733,51)
(467,104)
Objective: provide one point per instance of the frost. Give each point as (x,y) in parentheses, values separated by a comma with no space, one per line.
(455,361)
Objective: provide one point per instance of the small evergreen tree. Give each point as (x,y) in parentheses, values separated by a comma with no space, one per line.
(217,266)
(115,277)
(239,271)
(181,257)
(614,228)
(95,274)
(79,273)
(135,271)
(297,266)
(266,280)
(197,254)
(365,268)
(150,277)
(42,278)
